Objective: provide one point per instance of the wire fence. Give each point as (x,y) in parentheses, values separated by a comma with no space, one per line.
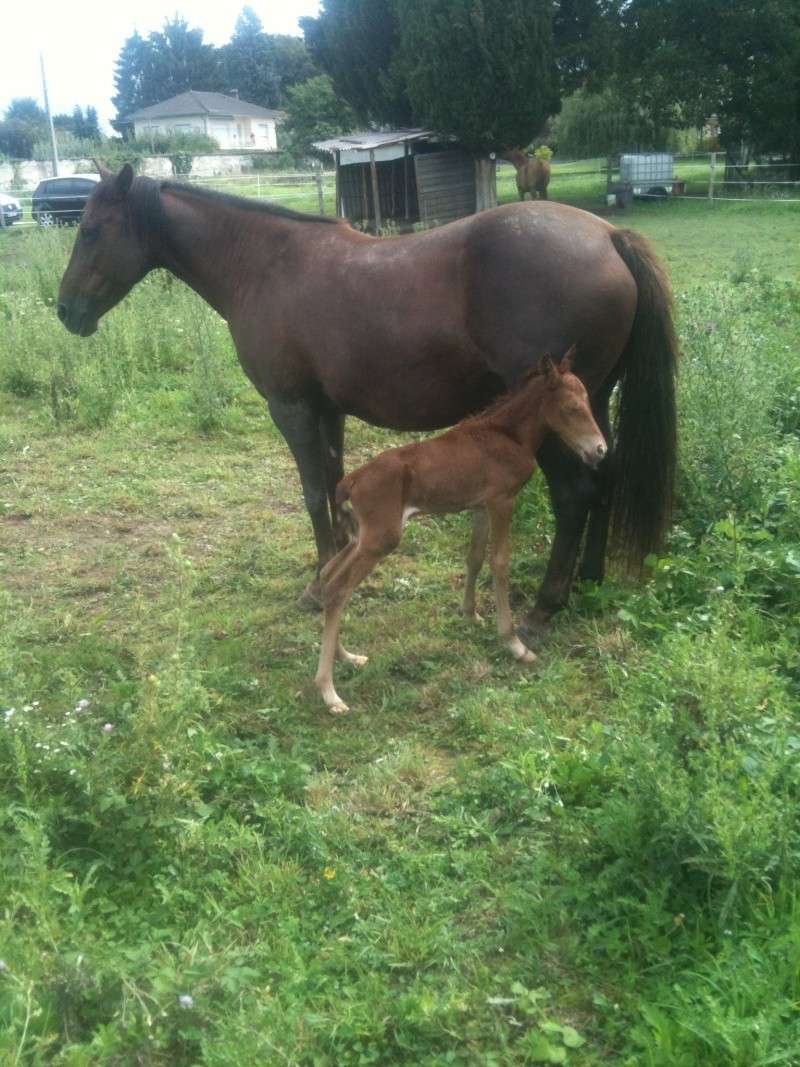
(693,177)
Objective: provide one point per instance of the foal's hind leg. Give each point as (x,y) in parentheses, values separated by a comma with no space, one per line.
(500,519)
(338,586)
(475,558)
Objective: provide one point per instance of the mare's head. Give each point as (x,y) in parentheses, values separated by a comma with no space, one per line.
(108,256)
(567,411)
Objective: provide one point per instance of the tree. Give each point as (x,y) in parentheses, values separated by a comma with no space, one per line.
(357,42)
(479,69)
(315,112)
(24,124)
(482,70)
(166,63)
(689,59)
(263,66)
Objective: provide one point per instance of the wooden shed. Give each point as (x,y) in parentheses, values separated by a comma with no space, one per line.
(406,176)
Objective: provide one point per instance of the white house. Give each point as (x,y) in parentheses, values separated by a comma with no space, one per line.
(233,123)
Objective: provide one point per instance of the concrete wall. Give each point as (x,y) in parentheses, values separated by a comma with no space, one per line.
(27,175)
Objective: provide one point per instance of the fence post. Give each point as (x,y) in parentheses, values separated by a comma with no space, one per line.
(320,191)
(711,175)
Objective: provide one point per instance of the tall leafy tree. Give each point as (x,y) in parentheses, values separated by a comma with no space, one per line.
(689,59)
(24,124)
(482,70)
(357,42)
(263,66)
(315,112)
(163,64)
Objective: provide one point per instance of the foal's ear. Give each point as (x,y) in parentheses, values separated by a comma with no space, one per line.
(548,370)
(565,366)
(123,180)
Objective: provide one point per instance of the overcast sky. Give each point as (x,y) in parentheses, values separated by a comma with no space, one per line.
(81,42)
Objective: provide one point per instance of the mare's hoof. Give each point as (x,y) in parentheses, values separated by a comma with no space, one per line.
(527,656)
(473,616)
(309,599)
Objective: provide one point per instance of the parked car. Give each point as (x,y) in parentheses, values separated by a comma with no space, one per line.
(10,207)
(60,201)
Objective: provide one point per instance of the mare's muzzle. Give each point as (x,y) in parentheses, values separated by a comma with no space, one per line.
(78,315)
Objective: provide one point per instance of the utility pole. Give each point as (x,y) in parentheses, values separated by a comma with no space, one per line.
(53,145)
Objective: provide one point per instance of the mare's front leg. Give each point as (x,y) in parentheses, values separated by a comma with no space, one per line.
(500,512)
(300,423)
(333,448)
(593,563)
(475,558)
(573,489)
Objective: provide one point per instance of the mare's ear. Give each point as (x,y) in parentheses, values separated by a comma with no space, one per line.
(102,169)
(548,370)
(123,180)
(565,366)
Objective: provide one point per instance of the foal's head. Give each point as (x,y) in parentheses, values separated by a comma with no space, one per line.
(567,411)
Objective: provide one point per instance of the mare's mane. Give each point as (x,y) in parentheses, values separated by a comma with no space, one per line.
(147,209)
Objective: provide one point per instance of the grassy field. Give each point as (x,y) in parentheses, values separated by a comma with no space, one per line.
(590,862)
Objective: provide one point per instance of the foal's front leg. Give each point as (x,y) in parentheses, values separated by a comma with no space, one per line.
(500,512)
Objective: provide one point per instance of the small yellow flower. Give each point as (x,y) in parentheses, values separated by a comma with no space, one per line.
(329,873)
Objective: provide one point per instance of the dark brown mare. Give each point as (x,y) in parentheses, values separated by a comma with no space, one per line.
(533,174)
(413,333)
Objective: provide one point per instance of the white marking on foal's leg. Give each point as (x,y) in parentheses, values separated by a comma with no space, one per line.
(519,651)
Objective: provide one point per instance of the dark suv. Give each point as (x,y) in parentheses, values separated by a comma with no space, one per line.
(58,201)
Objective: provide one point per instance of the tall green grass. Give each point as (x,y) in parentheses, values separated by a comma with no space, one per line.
(593,862)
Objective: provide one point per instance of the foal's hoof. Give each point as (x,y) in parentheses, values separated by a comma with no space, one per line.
(536,628)
(339,708)
(527,656)
(473,616)
(356,660)
(310,599)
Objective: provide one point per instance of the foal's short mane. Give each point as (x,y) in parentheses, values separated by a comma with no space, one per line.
(148,210)
(505,400)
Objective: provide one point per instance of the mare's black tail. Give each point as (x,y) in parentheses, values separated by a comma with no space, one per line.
(646,434)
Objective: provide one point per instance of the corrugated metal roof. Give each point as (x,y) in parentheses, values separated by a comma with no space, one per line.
(368,139)
(195,102)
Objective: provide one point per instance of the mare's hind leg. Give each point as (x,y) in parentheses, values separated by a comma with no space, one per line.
(593,564)
(299,422)
(573,489)
(500,512)
(475,558)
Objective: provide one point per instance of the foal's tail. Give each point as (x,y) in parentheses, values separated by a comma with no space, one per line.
(646,434)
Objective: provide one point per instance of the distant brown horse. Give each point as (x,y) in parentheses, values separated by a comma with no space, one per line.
(480,466)
(415,332)
(533,174)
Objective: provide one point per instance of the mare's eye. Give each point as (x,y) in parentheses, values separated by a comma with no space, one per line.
(90,234)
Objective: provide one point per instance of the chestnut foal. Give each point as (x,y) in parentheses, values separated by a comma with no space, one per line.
(481,465)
